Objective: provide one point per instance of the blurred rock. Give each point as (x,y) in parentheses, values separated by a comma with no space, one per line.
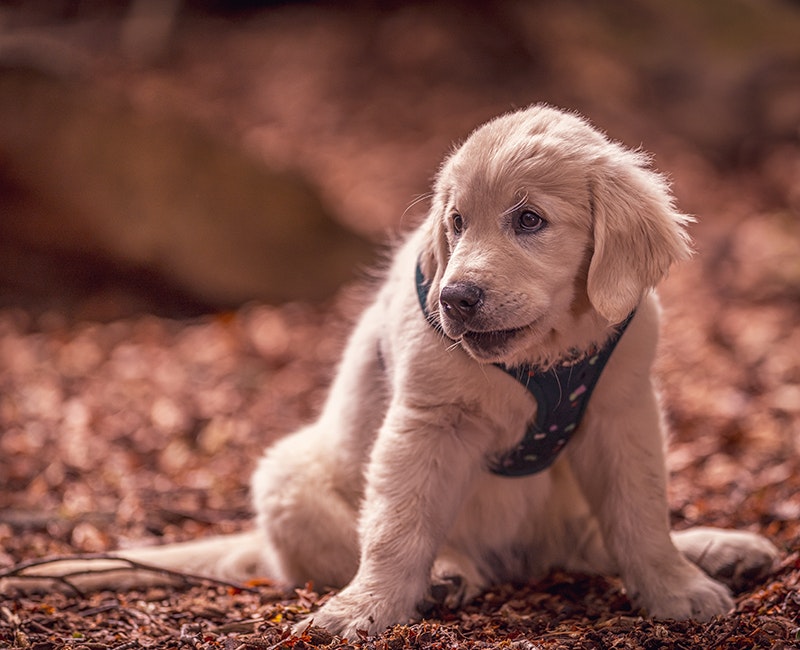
(162,196)
(760,260)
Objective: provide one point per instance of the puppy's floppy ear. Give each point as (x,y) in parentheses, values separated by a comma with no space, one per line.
(638,233)
(435,249)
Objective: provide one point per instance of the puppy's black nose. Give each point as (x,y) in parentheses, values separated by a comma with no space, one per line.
(461,300)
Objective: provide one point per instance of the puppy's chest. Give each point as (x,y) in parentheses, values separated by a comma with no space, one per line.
(505,406)
(533,432)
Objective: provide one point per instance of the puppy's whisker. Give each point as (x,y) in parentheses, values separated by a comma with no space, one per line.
(420,198)
(414,203)
(560,387)
(518,204)
(453,346)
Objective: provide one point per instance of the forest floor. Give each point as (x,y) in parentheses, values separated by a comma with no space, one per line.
(144,428)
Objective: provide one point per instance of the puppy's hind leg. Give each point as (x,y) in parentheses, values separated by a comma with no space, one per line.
(308,487)
(309,525)
(735,558)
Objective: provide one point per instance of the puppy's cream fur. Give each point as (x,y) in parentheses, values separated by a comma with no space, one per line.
(388,492)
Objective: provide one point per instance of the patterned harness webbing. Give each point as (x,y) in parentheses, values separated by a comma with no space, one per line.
(562,394)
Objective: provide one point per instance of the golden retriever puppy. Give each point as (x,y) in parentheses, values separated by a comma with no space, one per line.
(459,446)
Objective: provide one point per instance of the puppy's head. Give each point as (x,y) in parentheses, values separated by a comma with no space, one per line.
(542,235)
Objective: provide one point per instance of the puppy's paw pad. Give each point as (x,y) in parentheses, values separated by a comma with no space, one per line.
(743,573)
(745,569)
(736,558)
(445,591)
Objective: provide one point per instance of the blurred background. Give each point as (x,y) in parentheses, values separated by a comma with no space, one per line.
(185,156)
(191,191)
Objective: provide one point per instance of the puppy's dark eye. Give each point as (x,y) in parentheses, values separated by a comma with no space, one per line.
(458,224)
(529,221)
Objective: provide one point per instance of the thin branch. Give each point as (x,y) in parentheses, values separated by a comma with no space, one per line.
(19,571)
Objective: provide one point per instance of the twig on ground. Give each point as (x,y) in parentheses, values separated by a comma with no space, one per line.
(18,571)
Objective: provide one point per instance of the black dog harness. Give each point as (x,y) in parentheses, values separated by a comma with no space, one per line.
(561,392)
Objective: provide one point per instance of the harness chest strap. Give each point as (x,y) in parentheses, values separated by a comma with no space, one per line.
(562,394)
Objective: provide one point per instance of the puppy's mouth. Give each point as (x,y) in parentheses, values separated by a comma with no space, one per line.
(491,343)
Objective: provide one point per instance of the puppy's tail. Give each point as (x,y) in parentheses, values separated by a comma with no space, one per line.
(235,558)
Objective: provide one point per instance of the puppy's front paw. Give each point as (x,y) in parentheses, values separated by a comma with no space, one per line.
(689,593)
(354,612)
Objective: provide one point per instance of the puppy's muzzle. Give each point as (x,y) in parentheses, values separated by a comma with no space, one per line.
(460,301)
